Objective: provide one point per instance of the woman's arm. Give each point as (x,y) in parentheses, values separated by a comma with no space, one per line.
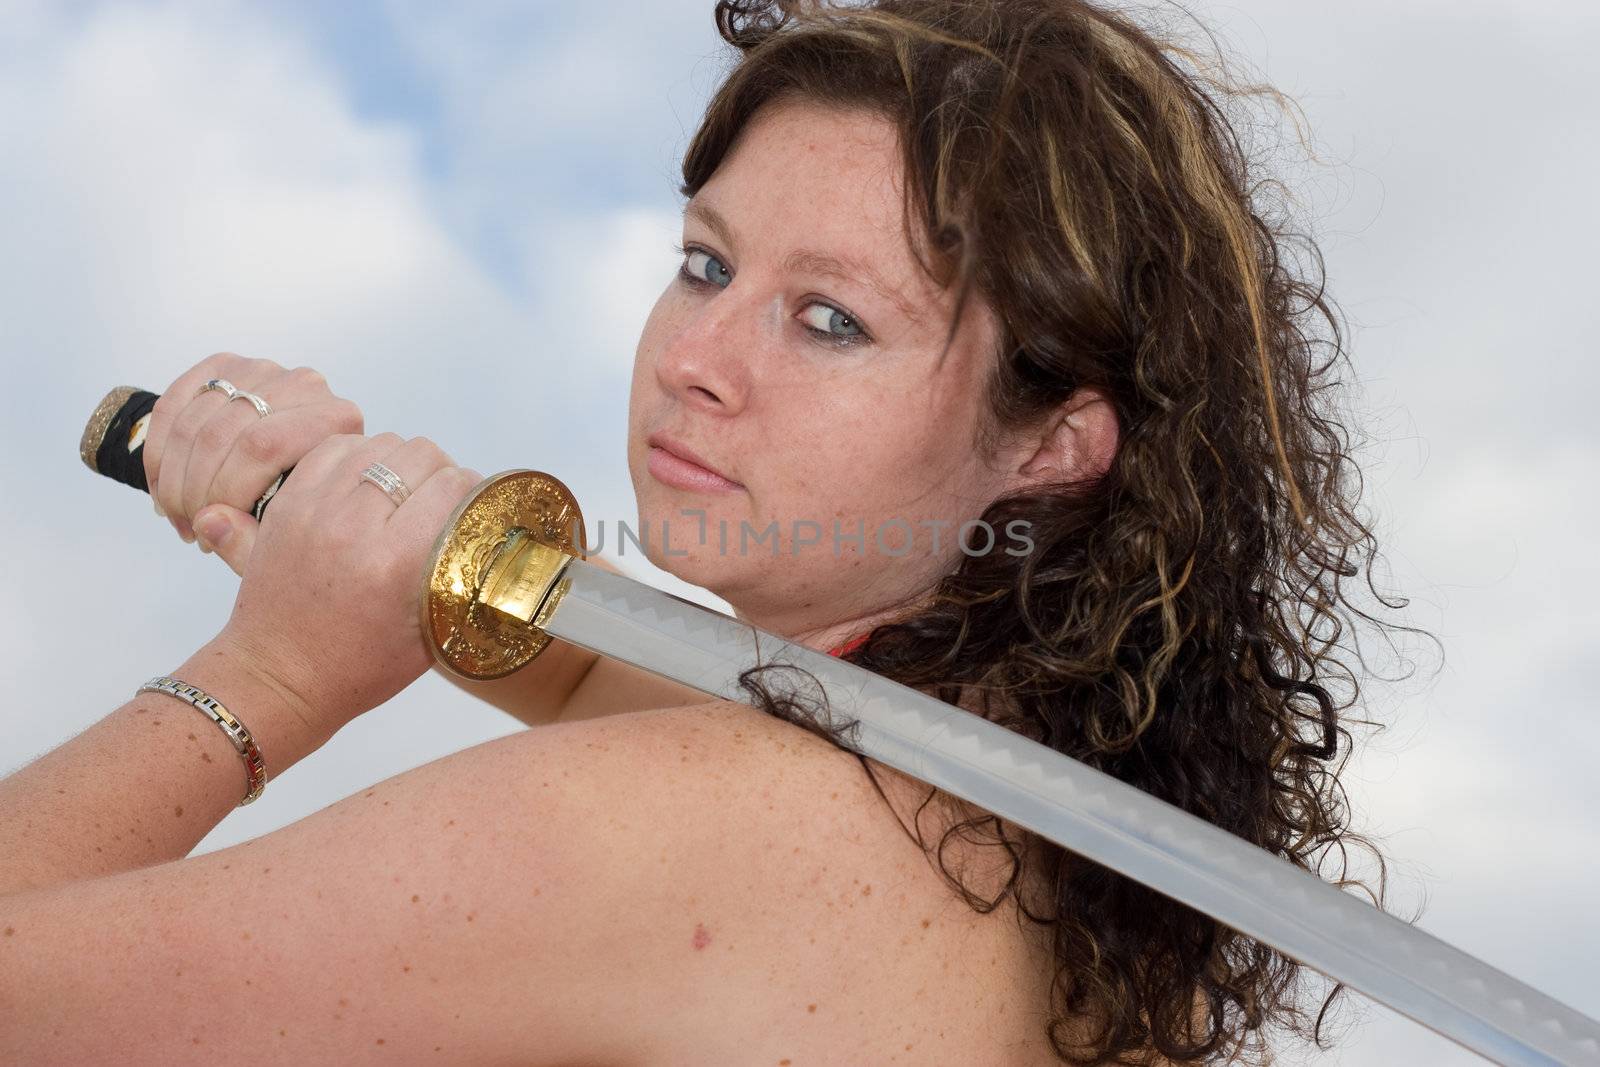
(144,784)
(489,906)
(217,462)
(323,629)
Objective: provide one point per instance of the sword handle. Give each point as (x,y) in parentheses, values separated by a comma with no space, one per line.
(113,442)
(495,575)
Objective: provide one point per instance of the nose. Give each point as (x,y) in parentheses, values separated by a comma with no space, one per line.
(706,363)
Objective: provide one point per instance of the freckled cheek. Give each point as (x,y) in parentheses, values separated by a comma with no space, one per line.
(666,318)
(839,487)
(644,390)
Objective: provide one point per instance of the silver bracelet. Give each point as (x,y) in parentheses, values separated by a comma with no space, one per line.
(255,767)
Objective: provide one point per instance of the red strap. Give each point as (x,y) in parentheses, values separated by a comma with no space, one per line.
(850,645)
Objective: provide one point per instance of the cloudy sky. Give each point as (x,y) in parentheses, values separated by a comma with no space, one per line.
(462,213)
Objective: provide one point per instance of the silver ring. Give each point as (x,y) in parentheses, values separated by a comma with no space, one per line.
(221,385)
(387,480)
(262,407)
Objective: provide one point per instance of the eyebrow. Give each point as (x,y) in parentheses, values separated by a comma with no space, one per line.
(808,261)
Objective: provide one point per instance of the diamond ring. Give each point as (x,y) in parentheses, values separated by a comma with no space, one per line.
(387,480)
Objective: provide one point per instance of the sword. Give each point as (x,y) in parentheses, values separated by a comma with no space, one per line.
(507,575)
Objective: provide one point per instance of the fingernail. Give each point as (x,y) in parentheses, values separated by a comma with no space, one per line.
(214,529)
(157,503)
(184,531)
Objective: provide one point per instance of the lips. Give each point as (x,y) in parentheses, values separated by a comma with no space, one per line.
(677,465)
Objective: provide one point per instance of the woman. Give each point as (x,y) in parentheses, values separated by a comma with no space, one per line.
(946,265)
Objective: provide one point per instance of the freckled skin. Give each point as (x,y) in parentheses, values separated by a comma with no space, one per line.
(871,432)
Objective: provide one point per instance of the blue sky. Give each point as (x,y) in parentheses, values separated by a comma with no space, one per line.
(462,213)
(377,70)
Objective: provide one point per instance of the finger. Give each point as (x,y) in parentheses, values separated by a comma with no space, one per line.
(283,390)
(262,450)
(228,532)
(300,494)
(417,524)
(173,399)
(413,462)
(183,430)
(215,438)
(335,467)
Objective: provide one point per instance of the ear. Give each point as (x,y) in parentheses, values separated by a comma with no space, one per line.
(1077,442)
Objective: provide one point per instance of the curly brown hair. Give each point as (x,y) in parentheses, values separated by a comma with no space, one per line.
(1178,623)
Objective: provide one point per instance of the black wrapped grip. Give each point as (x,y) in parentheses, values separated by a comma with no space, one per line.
(113,442)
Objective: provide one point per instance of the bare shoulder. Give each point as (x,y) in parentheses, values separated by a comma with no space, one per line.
(795,913)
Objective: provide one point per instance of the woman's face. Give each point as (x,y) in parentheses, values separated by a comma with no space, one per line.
(797,355)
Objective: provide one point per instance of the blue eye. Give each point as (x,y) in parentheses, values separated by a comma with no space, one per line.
(696,259)
(832,323)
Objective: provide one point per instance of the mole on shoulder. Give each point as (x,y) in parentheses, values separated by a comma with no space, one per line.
(702,936)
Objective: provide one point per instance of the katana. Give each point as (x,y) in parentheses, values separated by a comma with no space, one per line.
(507,575)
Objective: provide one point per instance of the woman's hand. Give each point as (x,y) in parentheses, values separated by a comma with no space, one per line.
(329,611)
(204,452)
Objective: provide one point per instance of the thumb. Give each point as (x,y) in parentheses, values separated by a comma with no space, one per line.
(228,532)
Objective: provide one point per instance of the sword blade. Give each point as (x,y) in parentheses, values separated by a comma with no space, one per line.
(1096,816)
